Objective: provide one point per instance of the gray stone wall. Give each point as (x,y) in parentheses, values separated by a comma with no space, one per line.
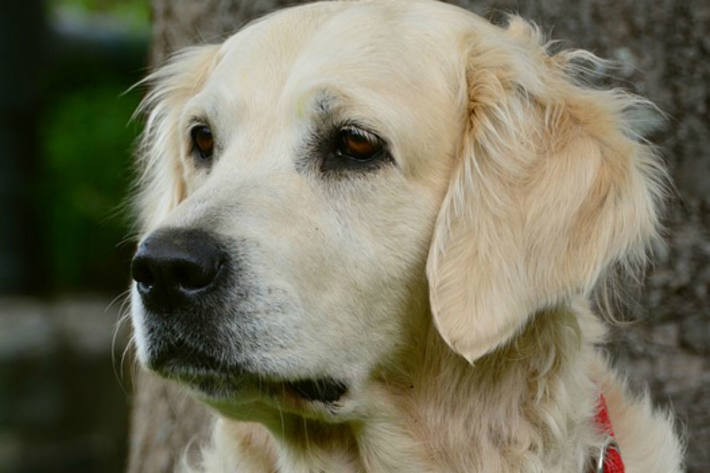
(664,49)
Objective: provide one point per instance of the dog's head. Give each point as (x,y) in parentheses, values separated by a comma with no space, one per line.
(336,175)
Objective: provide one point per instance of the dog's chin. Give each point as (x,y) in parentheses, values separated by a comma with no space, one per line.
(212,380)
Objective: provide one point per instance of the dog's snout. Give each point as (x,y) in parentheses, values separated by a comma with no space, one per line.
(173,267)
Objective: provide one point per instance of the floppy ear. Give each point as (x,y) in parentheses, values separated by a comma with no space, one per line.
(160,179)
(551,188)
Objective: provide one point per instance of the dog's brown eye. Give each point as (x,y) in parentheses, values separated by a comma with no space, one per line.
(358,144)
(349,148)
(203,141)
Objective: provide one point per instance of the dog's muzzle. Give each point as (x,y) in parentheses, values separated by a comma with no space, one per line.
(184,277)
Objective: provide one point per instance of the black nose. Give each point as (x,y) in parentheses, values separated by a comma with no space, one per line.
(174,267)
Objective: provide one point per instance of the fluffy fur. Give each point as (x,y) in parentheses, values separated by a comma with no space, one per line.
(452,290)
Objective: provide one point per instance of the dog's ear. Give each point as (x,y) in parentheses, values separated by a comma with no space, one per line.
(160,170)
(551,188)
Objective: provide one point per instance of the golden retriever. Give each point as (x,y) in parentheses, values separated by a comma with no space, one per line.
(373,232)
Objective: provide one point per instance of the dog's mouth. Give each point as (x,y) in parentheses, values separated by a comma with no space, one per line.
(325,390)
(215,379)
(179,359)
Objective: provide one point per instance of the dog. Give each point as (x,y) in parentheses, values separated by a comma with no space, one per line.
(373,235)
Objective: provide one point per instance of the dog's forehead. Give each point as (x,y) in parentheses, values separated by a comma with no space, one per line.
(372,57)
(372,44)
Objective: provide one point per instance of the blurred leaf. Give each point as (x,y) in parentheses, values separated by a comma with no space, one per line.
(85,177)
(133,13)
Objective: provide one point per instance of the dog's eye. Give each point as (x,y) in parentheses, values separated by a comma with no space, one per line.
(356,144)
(202,141)
(349,148)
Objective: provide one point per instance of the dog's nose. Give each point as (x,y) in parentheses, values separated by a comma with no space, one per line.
(174,266)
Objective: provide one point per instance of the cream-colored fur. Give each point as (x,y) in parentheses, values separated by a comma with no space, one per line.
(451,289)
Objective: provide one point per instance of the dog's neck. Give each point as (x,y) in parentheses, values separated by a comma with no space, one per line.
(525,407)
(513,409)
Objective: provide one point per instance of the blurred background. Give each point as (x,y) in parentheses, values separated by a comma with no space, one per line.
(64,177)
(65,235)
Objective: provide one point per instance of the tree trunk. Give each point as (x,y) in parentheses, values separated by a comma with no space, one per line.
(664,49)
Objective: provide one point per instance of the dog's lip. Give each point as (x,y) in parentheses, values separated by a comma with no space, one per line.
(217,379)
(325,390)
(179,357)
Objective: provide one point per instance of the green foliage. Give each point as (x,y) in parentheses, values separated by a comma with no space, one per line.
(85,176)
(132,13)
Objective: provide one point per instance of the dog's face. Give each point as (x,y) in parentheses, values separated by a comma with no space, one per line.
(312,181)
(298,177)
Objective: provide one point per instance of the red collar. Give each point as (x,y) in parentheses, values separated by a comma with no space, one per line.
(609,459)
